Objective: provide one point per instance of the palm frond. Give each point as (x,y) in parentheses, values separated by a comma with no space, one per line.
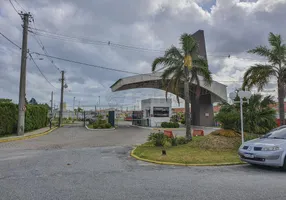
(266,101)
(262,51)
(165,61)
(201,66)
(258,75)
(168,72)
(174,52)
(189,44)
(157,61)
(274,40)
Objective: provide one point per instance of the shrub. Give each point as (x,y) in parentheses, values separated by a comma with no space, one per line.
(167,144)
(228,119)
(101,126)
(174,118)
(108,125)
(8,118)
(170,125)
(174,141)
(158,139)
(181,140)
(95,125)
(36,116)
(164,124)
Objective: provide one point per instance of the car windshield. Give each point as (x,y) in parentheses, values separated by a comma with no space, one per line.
(278,133)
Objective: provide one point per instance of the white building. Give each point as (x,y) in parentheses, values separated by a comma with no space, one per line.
(156,110)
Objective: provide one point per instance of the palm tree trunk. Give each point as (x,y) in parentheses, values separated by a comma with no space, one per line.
(281,95)
(187,105)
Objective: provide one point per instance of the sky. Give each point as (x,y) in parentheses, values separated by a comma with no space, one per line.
(80,31)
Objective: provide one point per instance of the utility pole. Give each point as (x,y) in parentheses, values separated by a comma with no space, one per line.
(73,107)
(51,115)
(62,97)
(52,101)
(22,87)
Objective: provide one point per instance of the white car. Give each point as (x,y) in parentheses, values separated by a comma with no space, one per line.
(268,150)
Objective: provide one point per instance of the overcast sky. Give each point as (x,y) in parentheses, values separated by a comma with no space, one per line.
(231,28)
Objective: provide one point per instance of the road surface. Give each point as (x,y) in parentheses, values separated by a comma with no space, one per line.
(74,163)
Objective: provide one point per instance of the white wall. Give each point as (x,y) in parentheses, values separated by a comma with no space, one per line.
(156,102)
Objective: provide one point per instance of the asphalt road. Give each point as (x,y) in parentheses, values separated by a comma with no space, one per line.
(64,165)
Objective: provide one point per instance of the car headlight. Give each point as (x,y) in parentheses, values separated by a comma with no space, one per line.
(274,148)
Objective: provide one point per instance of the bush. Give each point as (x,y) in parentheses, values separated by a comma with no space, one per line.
(228,119)
(174,118)
(36,116)
(170,125)
(167,143)
(174,141)
(108,125)
(181,140)
(95,125)
(158,139)
(8,118)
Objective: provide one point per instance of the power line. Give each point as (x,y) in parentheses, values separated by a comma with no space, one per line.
(11,41)
(14,7)
(20,5)
(40,43)
(89,41)
(41,70)
(67,38)
(91,65)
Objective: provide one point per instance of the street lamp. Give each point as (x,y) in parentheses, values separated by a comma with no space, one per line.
(241,94)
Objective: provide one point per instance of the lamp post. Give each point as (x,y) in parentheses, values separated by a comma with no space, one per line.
(241,94)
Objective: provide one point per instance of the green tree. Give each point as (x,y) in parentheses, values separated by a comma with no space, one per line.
(5,100)
(260,74)
(183,65)
(258,116)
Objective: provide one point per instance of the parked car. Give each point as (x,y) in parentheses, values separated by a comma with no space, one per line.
(268,150)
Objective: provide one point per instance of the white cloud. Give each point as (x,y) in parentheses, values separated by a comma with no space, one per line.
(231,28)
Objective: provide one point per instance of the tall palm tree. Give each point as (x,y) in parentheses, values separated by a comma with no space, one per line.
(259,74)
(183,65)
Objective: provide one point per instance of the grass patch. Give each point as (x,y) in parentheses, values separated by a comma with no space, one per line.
(201,150)
(90,126)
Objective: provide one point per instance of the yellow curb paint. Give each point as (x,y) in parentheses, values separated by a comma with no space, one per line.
(181,164)
(27,136)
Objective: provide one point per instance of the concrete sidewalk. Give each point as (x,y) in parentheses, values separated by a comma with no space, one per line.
(31,134)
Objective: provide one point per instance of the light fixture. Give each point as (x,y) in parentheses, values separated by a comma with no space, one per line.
(232,95)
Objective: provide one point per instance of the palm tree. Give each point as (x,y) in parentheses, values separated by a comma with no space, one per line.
(259,74)
(259,117)
(183,65)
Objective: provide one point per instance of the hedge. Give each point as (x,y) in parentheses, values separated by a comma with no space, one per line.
(8,118)
(36,117)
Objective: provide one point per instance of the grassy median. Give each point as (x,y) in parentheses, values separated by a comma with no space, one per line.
(211,149)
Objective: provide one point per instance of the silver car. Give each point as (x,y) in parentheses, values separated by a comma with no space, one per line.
(268,150)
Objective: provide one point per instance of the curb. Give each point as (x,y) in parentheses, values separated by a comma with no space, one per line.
(169,129)
(27,136)
(143,127)
(103,129)
(181,164)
